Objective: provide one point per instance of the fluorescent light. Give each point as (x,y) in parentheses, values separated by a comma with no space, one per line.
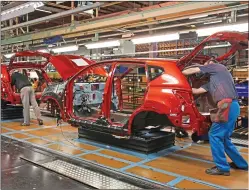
(160,38)
(38,4)
(65,49)
(233,27)
(8,56)
(89,11)
(168,50)
(213,22)
(20,10)
(43,10)
(103,44)
(200,16)
(43,50)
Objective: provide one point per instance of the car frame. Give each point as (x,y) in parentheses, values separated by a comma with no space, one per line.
(168,97)
(63,63)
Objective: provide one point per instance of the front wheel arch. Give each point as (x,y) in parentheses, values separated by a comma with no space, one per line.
(58,103)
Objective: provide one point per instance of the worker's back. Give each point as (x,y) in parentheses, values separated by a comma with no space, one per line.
(19,80)
(221,83)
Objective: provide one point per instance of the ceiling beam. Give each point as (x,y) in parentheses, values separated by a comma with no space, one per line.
(139,3)
(104,11)
(122,8)
(112,3)
(12,5)
(52,9)
(54,16)
(133,4)
(57,5)
(155,14)
(110,9)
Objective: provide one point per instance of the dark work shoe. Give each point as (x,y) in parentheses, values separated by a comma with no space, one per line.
(216,171)
(25,124)
(40,122)
(232,165)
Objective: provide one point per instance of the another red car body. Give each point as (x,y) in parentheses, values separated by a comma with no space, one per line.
(168,95)
(63,63)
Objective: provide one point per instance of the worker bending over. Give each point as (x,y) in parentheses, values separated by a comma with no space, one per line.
(222,89)
(22,83)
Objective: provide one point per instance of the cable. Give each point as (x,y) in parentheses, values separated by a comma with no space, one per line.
(59,125)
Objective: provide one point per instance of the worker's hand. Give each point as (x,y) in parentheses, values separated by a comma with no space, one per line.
(198,91)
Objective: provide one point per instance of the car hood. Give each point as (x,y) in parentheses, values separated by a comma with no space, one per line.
(66,65)
(69,65)
(237,41)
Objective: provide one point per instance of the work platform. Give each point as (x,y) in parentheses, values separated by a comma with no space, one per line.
(181,166)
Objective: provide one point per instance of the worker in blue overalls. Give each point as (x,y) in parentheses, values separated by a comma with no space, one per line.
(221,87)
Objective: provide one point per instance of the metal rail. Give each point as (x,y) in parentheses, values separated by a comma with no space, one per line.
(94,167)
(85,176)
(54,16)
(162,13)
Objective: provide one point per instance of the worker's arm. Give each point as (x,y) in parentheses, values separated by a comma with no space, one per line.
(203,89)
(191,71)
(198,90)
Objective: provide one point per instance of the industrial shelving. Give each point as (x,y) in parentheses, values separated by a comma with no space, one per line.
(133,88)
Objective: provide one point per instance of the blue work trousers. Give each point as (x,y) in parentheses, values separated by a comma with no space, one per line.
(220,142)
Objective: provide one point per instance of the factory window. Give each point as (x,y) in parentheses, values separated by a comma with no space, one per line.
(154,72)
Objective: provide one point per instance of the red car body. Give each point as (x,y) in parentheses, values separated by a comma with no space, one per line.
(63,63)
(168,97)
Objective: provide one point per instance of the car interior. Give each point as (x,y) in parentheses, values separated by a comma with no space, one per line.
(128,88)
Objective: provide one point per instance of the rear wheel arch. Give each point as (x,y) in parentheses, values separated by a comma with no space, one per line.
(146,118)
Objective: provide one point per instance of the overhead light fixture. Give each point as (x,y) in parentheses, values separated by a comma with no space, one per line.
(43,10)
(8,56)
(200,16)
(43,50)
(103,44)
(213,22)
(159,38)
(243,27)
(89,11)
(169,50)
(20,10)
(65,49)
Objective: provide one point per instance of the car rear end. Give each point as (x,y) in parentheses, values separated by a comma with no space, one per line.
(171,94)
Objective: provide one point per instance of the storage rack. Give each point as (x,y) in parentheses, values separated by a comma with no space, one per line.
(240,76)
(177,44)
(242,58)
(142,47)
(133,88)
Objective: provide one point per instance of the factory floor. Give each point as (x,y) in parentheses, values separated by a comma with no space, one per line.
(182,166)
(18,174)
